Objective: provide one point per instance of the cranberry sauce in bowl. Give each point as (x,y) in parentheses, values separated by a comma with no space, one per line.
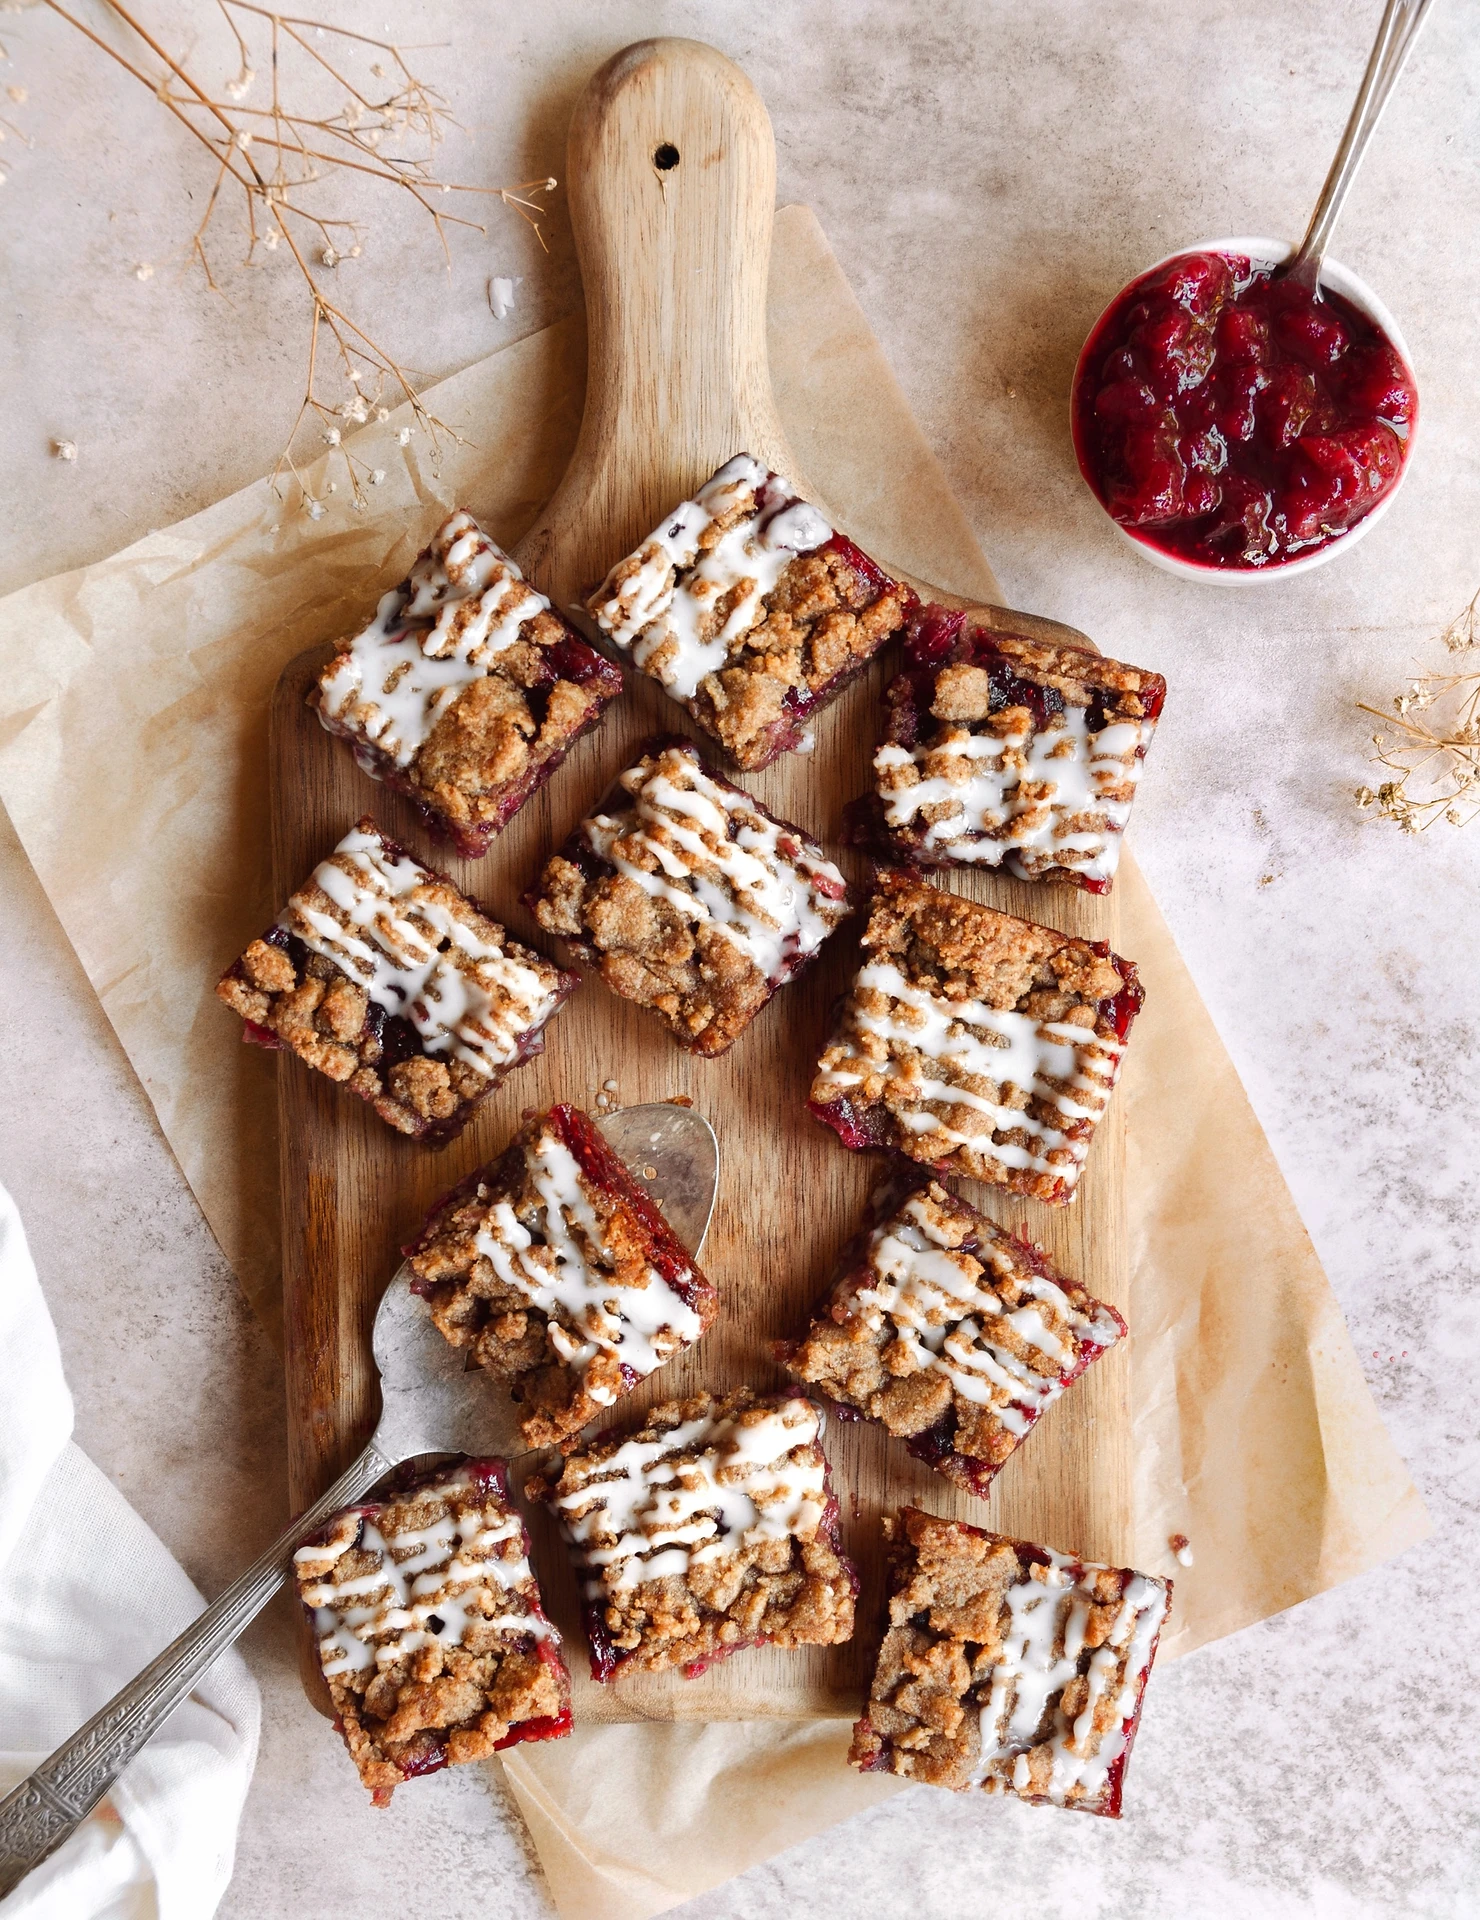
(1229,422)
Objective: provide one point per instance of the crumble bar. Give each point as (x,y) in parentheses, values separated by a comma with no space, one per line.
(380,973)
(711,1528)
(1008,1668)
(689,897)
(974,1042)
(561,1275)
(466,690)
(952,1333)
(1002,751)
(429,1626)
(750,611)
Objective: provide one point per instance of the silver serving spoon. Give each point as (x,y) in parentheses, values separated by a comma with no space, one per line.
(1401,22)
(430,1403)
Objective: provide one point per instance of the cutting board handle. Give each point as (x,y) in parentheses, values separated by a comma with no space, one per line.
(671,176)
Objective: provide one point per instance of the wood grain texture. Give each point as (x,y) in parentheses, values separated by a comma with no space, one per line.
(675,264)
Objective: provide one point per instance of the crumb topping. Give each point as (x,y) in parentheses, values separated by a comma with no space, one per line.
(568,1287)
(414,946)
(710,1528)
(690,897)
(749,609)
(381,974)
(1008,1668)
(464,603)
(953,1333)
(982,1043)
(696,584)
(430,1629)
(455,691)
(1014,752)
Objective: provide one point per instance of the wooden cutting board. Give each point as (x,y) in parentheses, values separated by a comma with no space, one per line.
(674,260)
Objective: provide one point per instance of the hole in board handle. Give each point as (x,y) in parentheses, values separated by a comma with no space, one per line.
(665,158)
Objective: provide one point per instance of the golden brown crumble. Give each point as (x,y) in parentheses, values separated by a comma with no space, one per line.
(943,1708)
(491,735)
(308,1003)
(875,1343)
(821,620)
(684,964)
(962,693)
(449,1687)
(497,738)
(783,1580)
(1078,673)
(961,955)
(518,1342)
(820,624)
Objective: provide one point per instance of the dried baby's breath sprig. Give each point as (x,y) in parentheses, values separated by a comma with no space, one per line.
(1431,741)
(386,128)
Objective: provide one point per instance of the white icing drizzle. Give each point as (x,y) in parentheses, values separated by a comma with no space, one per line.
(423,1591)
(944,1310)
(702,1490)
(474,1001)
(998,1045)
(1024,793)
(587,1312)
(720,862)
(1041,1651)
(463,604)
(662,609)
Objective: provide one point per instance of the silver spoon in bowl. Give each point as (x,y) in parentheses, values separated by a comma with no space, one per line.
(430,1403)
(1303,265)
(1401,23)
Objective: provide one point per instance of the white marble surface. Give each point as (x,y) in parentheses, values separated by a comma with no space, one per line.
(989,174)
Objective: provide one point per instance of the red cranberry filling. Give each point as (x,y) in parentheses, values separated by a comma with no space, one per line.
(546,1726)
(1235,420)
(430,1756)
(610,1176)
(1122,1010)
(870,571)
(936,639)
(549,1726)
(605,1658)
(858,1127)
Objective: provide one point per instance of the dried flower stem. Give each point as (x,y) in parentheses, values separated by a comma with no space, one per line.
(1436,758)
(272,154)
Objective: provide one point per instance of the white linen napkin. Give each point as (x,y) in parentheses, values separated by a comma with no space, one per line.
(88,1595)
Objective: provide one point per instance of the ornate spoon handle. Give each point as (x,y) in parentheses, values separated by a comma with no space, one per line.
(1400,26)
(37,1816)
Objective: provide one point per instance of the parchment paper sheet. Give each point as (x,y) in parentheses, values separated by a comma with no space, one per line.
(133,702)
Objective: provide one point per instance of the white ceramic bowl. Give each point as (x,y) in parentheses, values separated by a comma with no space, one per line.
(1340,279)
